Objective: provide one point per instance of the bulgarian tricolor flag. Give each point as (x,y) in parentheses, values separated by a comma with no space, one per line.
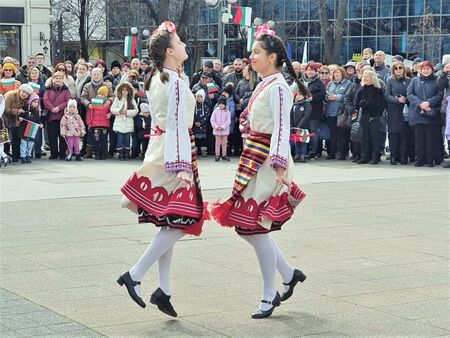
(242,15)
(31,129)
(97,103)
(130,46)
(8,84)
(36,87)
(250,38)
(212,88)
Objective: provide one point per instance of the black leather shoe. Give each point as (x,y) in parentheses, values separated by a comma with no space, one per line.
(130,284)
(162,301)
(298,276)
(263,314)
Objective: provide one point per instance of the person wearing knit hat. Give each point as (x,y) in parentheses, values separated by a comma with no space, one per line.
(26,135)
(125,67)
(7,78)
(115,64)
(142,125)
(26,88)
(9,65)
(416,65)
(220,121)
(397,58)
(72,129)
(103,90)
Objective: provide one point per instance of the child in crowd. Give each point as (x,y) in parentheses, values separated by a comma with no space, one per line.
(244,126)
(30,122)
(201,120)
(300,115)
(98,121)
(142,125)
(125,109)
(220,121)
(72,129)
(139,97)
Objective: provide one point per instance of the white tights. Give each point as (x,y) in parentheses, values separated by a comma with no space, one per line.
(160,249)
(270,260)
(2,152)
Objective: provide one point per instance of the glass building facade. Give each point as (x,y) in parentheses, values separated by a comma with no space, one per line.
(408,27)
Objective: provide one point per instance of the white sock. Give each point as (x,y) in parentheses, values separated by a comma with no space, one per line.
(164,263)
(126,203)
(267,258)
(160,244)
(286,271)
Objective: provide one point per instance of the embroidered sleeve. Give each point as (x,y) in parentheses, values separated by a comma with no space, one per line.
(177,150)
(280,104)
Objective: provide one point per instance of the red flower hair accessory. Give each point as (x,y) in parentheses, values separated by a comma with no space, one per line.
(264,30)
(166,26)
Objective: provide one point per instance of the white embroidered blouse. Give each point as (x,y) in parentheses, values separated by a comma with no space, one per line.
(269,113)
(172,107)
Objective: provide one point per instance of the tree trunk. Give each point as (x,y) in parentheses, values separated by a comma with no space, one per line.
(82,30)
(339,29)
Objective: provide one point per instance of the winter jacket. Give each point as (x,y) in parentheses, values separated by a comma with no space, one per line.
(232,77)
(300,115)
(339,89)
(243,92)
(209,101)
(123,123)
(30,115)
(142,125)
(96,116)
(393,88)
(424,89)
(444,84)
(56,97)
(79,85)
(447,119)
(318,93)
(72,125)
(350,96)
(371,101)
(196,78)
(13,103)
(22,76)
(382,71)
(201,116)
(221,118)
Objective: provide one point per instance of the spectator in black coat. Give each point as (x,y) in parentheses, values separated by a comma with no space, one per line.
(142,127)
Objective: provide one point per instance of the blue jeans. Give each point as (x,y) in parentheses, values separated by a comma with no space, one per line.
(298,148)
(123,140)
(26,147)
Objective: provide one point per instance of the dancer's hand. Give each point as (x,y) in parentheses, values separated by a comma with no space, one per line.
(184,176)
(282,179)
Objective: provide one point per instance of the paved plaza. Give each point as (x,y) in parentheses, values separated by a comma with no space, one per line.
(373,241)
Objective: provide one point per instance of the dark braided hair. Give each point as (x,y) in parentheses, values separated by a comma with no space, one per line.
(273,44)
(157,51)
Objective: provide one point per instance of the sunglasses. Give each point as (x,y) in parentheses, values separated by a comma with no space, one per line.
(7,70)
(397,68)
(61,70)
(324,73)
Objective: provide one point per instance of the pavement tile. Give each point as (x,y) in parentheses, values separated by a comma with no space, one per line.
(34,331)
(418,310)
(385,298)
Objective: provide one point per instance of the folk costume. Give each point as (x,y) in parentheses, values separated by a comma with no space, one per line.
(156,193)
(259,204)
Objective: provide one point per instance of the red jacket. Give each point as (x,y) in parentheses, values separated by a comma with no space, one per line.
(96,116)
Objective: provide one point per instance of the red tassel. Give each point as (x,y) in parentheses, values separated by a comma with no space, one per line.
(220,212)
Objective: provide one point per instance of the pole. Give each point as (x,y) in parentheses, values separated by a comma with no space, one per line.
(221,33)
(60,38)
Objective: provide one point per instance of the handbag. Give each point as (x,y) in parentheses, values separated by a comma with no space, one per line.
(356,130)
(4,134)
(344,119)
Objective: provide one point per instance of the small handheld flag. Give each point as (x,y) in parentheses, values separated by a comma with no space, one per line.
(8,84)
(36,87)
(31,129)
(212,88)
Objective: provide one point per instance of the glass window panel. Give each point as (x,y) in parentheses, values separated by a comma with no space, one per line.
(355,27)
(278,11)
(370,8)
(400,7)
(385,8)
(369,27)
(343,55)
(445,44)
(433,6)
(302,29)
(314,29)
(291,10)
(413,25)
(369,42)
(399,45)
(415,46)
(416,7)
(354,46)
(314,11)
(355,9)
(430,42)
(302,9)
(330,7)
(257,8)
(10,41)
(314,49)
(384,26)
(445,7)
(268,10)
(385,44)
(399,26)
(445,29)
